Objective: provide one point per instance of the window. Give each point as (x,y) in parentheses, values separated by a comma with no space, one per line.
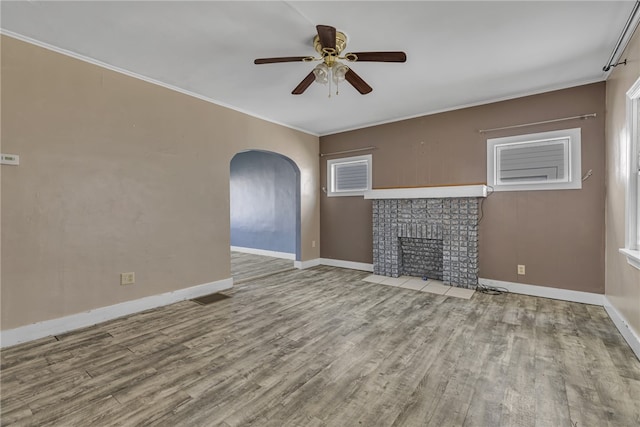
(632,220)
(540,161)
(349,176)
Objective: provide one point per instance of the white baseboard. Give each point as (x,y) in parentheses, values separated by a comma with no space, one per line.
(616,317)
(264,252)
(88,318)
(630,336)
(546,292)
(306,264)
(347,264)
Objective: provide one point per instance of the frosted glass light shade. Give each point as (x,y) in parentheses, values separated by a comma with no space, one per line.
(338,72)
(322,73)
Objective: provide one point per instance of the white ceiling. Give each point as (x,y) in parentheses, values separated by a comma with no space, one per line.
(459,53)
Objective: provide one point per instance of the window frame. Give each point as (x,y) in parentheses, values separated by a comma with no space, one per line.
(573,180)
(632,212)
(342,160)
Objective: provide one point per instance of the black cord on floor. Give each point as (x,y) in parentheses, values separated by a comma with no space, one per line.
(490,290)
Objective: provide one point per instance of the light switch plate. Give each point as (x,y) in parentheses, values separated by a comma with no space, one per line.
(10,159)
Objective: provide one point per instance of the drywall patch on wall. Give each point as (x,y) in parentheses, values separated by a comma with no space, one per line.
(263,201)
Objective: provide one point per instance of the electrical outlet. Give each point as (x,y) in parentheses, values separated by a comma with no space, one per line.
(313,243)
(127,278)
(521,269)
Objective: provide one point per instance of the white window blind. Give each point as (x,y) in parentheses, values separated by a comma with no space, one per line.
(349,176)
(541,161)
(535,161)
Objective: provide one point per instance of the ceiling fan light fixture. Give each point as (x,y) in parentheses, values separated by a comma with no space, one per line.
(338,72)
(321,71)
(330,43)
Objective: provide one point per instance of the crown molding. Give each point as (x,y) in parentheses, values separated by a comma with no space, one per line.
(134,75)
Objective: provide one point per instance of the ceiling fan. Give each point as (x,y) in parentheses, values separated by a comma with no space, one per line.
(330,43)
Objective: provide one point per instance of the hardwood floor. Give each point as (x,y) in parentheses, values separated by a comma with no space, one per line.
(321,347)
(248,266)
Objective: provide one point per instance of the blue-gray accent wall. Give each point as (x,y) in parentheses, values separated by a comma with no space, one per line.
(264,206)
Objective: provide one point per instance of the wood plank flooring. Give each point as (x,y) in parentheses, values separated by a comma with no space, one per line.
(249,266)
(321,347)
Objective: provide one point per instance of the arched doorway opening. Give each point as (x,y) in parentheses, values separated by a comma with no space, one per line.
(264,213)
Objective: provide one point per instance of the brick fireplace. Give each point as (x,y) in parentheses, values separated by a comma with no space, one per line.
(420,235)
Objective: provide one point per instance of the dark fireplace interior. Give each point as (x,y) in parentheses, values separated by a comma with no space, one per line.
(421,257)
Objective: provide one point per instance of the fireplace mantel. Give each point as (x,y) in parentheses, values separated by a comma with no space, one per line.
(428,192)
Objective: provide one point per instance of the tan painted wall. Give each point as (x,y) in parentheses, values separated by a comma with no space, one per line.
(622,280)
(119,175)
(558,235)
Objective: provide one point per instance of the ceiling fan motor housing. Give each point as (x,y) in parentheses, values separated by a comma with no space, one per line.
(341,43)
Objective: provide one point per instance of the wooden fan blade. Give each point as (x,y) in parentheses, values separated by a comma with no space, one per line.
(283,59)
(381,56)
(327,35)
(357,82)
(304,84)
